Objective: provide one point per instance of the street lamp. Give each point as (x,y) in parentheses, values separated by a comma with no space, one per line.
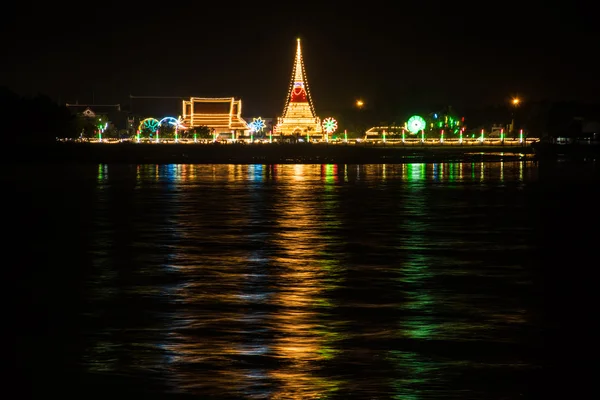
(515,103)
(359,105)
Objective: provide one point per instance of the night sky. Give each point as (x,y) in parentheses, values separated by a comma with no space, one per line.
(391,55)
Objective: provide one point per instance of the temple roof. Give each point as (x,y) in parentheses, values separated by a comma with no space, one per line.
(222,112)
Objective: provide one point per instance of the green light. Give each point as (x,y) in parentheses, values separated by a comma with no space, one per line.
(416,124)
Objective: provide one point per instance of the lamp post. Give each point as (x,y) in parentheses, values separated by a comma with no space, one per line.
(359,104)
(515,103)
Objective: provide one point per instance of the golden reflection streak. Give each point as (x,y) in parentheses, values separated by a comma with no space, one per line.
(521,164)
(482,172)
(302,281)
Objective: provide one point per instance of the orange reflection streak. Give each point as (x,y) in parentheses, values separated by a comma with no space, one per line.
(301,281)
(217,324)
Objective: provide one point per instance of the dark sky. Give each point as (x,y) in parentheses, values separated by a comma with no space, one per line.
(389,53)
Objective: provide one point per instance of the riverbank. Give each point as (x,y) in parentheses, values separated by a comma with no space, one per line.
(572,151)
(133,153)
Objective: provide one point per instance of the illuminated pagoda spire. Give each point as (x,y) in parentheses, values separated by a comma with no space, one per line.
(299,115)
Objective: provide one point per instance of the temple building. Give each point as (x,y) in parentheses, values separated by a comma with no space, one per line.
(222,115)
(299,118)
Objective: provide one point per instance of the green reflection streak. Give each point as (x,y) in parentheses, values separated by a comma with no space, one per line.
(419,304)
(413,370)
(329,176)
(415,172)
(101,172)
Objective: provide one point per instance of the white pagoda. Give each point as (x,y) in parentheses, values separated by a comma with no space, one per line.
(299,117)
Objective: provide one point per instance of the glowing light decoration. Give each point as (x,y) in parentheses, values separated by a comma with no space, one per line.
(330,125)
(415,124)
(150,125)
(257,124)
(176,123)
(298,110)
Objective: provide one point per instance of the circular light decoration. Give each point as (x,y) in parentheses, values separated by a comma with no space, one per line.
(149,125)
(169,121)
(257,124)
(330,125)
(416,124)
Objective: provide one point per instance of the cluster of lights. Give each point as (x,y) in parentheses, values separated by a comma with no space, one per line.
(152,125)
(299,64)
(330,125)
(415,124)
(257,125)
(101,129)
(300,116)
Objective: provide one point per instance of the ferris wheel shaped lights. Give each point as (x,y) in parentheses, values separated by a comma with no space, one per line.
(149,124)
(415,124)
(330,125)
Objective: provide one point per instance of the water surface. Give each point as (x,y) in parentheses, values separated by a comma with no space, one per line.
(414,281)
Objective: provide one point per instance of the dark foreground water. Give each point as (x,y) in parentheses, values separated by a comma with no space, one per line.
(415,281)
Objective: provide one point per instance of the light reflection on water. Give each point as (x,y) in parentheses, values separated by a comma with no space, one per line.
(312,281)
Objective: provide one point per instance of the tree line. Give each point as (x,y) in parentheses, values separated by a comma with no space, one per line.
(33,119)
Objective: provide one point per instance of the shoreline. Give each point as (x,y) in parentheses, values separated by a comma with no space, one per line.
(137,153)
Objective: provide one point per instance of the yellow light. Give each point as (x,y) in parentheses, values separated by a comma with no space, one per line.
(516,101)
(360,103)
